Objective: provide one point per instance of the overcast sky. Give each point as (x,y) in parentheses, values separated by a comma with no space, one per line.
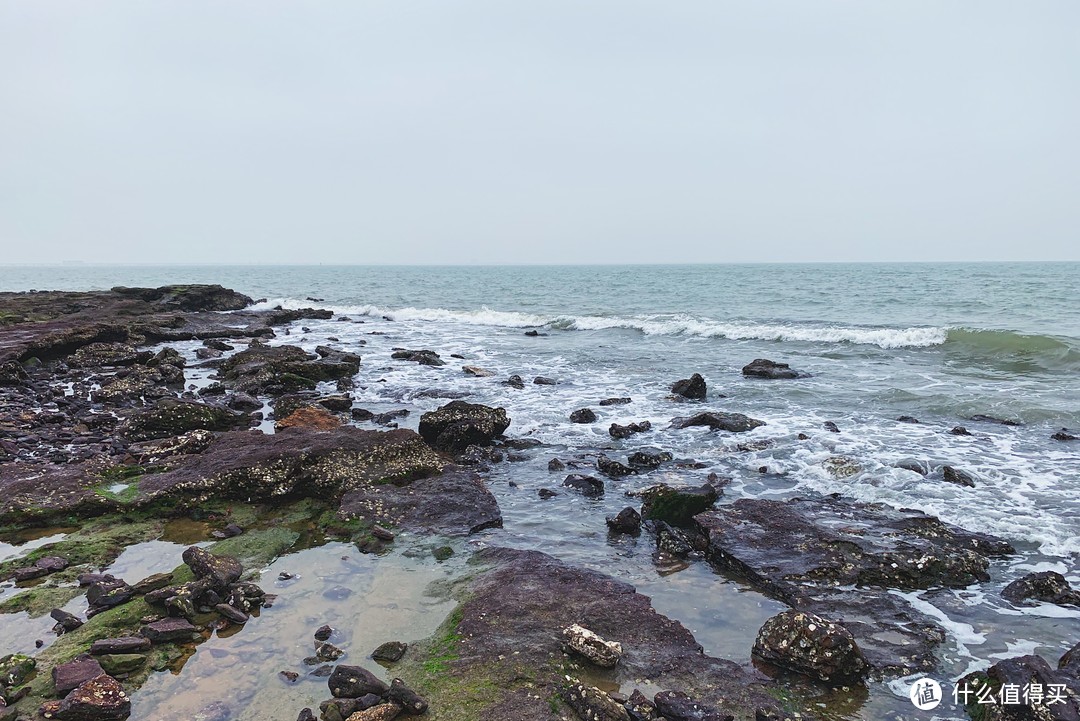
(562,131)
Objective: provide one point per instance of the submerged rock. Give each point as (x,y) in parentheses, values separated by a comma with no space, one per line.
(957,477)
(731,422)
(765,368)
(423,357)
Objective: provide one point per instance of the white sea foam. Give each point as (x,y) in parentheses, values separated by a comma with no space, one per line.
(657,325)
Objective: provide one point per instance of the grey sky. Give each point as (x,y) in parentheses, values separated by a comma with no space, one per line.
(560,131)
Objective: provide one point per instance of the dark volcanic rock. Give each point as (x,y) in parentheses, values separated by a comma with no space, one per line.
(189,297)
(423,357)
(616,401)
(764,368)
(586,485)
(844,543)
(274,370)
(101,698)
(960,431)
(628,520)
(509,630)
(409,701)
(295,462)
(648,459)
(458,425)
(956,476)
(1064,435)
(693,387)
(172,417)
(613,468)
(1048,586)
(390,652)
(354,682)
(454,502)
(677,505)
(1023,672)
(583,415)
(619,432)
(813,646)
(732,422)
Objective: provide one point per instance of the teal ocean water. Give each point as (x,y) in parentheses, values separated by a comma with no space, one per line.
(942,343)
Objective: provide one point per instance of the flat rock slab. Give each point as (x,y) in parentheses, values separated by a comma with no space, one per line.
(167,630)
(838,558)
(295,462)
(68,676)
(29,491)
(510,635)
(455,502)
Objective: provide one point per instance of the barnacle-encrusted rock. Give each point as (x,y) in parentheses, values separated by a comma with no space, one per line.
(99,699)
(273,370)
(811,645)
(585,643)
(805,551)
(1048,586)
(1043,693)
(296,462)
(458,425)
(592,704)
(173,416)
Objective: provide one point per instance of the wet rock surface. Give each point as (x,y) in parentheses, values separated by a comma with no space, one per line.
(457,425)
(811,645)
(808,552)
(508,633)
(765,368)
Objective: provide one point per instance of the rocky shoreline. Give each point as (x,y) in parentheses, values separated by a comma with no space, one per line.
(102,432)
